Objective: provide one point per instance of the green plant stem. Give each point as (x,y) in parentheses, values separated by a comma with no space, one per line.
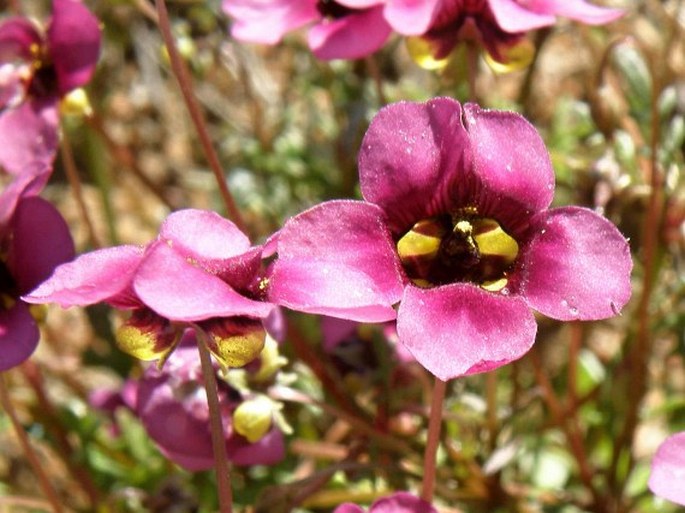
(491,408)
(30,454)
(183,77)
(434,428)
(223,471)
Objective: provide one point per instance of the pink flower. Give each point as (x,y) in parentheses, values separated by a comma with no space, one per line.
(456,228)
(342,29)
(34,239)
(668,470)
(36,70)
(200,271)
(398,502)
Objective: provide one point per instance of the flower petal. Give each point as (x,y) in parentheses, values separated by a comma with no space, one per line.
(176,289)
(578,10)
(348,507)
(18,335)
(337,259)
(668,470)
(93,277)
(401,502)
(268,450)
(340,38)
(577,266)
(74,43)
(16,37)
(41,242)
(267,21)
(512,164)
(460,329)
(410,17)
(513,17)
(410,157)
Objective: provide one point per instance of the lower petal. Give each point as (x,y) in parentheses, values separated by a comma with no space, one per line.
(668,470)
(18,335)
(460,329)
(577,266)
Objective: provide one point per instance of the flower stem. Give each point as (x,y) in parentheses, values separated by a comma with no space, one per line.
(30,454)
(185,84)
(223,472)
(434,427)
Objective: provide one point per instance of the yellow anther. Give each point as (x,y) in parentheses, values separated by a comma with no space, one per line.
(464,227)
(253,418)
(76,103)
(263,284)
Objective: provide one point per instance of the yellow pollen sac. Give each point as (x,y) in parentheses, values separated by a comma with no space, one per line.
(421,51)
(423,241)
(493,241)
(76,103)
(141,343)
(235,343)
(253,418)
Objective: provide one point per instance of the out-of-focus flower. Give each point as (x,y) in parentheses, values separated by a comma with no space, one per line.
(34,239)
(456,227)
(398,502)
(172,406)
(499,26)
(342,29)
(37,69)
(200,271)
(668,470)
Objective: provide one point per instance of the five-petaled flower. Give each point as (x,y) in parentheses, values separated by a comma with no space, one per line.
(201,271)
(398,502)
(668,469)
(34,239)
(455,227)
(37,69)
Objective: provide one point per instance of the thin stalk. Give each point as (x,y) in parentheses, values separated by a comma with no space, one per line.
(575,344)
(183,77)
(472,68)
(491,408)
(75,184)
(223,471)
(31,456)
(375,72)
(434,427)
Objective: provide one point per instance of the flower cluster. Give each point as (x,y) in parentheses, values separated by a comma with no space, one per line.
(350,29)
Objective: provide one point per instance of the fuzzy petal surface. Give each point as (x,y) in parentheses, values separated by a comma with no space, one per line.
(401,502)
(410,17)
(410,157)
(93,277)
(74,42)
(668,470)
(267,21)
(513,17)
(178,290)
(41,242)
(577,266)
(460,329)
(353,36)
(18,335)
(337,259)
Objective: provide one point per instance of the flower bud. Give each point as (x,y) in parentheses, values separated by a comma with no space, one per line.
(234,341)
(147,336)
(253,418)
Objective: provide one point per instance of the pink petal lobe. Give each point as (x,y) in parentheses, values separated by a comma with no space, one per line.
(348,507)
(459,329)
(268,450)
(41,242)
(577,266)
(579,10)
(668,470)
(74,42)
(340,38)
(18,335)
(178,290)
(267,21)
(16,37)
(93,277)
(410,17)
(337,259)
(410,157)
(402,502)
(513,17)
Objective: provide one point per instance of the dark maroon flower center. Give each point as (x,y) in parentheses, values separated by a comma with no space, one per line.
(332,10)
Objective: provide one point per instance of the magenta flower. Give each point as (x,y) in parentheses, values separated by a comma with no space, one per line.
(342,29)
(398,502)
(455,227)
(668,470)
(34,239)
(36,70)
(200,271)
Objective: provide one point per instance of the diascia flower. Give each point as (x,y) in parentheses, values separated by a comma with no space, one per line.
(668,470)
(342,29)
(34,239)
(37,69)
(200,271)
(456,228)
(398,502)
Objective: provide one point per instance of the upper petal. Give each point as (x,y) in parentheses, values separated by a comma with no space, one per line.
(410,17)
(410,157)
(177,289)
(577,266)
(578,10)
(513,17)
(16,37)
(267,21)
(41,242)
(668,470)
(18,335)
(353,36)
(337,259)
(93,277)
(461,329)
(74,43)
(402,502)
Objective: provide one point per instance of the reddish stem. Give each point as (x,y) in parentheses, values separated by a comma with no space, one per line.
(434,428)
